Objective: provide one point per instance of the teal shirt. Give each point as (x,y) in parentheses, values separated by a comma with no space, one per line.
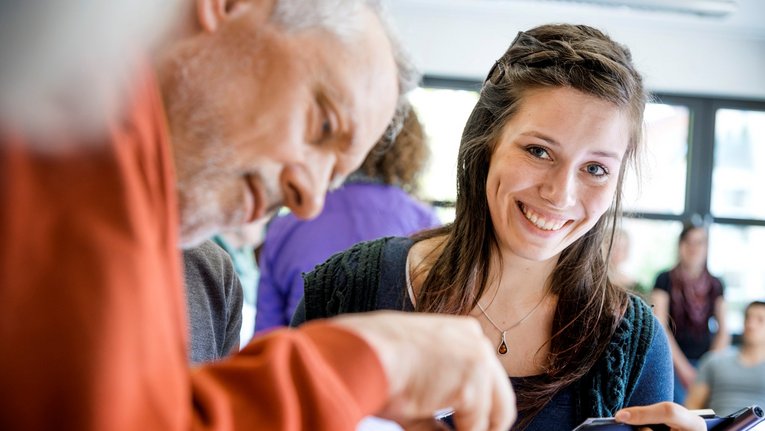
(247,271)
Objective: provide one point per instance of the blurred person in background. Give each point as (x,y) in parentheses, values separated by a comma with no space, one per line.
(241,244)
(686,299)
(734,378)
(220,277)
(620,253)
(375,201)
(214,301)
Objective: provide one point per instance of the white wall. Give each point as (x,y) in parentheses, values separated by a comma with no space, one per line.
(677,54)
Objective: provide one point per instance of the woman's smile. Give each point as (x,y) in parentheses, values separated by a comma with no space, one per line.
(541,221)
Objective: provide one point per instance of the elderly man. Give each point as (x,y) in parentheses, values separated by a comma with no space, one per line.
(266,103)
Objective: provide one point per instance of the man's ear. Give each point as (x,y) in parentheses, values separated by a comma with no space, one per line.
(212,13)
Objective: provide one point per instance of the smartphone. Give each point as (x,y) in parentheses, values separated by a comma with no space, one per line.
(742,420)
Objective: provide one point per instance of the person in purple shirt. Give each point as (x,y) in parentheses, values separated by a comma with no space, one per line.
(374,202)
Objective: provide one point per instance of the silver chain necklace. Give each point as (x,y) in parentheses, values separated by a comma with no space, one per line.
(502,348)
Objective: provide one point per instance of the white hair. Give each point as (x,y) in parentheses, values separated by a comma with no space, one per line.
(50,83)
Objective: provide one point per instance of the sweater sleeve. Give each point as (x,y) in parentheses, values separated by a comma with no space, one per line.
(298,317)
(320,377)
(655,383)
(93,322)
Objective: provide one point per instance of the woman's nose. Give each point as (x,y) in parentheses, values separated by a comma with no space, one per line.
(559,187)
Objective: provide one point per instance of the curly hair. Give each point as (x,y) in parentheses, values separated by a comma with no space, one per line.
(401,162)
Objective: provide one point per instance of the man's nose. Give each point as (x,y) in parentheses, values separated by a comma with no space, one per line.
(559,187)
(304,189)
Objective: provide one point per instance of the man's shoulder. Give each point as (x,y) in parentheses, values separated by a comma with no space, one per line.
(206,254)
(208,268)
(720,358)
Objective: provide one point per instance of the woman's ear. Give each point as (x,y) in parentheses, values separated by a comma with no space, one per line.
(212,13)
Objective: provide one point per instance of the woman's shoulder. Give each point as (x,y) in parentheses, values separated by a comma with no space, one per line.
(719,285)
(637,304)
(614,378)
(663,282)
(349,280)
(363,256)
(421,257)
(637,320)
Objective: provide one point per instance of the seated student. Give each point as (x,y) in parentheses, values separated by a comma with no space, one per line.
(539,181)
(219,278)
(731,379)
(240,244)
(373,202)
(620,251)
(214,298)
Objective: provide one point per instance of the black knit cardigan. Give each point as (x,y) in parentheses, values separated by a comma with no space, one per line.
(358,280)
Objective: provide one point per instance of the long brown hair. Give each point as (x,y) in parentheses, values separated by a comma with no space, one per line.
(589,306)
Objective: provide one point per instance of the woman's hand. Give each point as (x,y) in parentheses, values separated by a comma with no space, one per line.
(675,416)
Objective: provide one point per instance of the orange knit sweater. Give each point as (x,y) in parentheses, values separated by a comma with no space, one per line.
(92,319)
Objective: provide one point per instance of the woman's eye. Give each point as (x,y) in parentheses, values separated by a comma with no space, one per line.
(538,152)
(596,170)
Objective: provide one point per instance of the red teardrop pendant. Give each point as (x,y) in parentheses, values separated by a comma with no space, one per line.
(502,349)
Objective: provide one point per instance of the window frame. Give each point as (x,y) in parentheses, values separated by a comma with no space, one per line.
(701,136)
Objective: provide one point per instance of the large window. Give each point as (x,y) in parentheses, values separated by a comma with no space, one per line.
(704,160)
(659,186)
(738,179)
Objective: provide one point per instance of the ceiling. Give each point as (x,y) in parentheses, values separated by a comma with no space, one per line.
(677,53)
(748,21)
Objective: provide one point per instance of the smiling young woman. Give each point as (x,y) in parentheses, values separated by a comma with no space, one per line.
(539,181)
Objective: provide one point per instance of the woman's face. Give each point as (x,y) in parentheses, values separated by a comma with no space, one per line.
(693,248)
(554,171)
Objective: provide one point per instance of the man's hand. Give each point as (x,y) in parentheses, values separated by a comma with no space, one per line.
(433,362)
(675,416)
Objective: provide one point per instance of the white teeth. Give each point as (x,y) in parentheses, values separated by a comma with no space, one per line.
(539,221)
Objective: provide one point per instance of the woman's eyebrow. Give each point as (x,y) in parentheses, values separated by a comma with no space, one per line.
(554,143)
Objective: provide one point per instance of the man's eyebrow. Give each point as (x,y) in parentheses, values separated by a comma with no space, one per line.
(554,143)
